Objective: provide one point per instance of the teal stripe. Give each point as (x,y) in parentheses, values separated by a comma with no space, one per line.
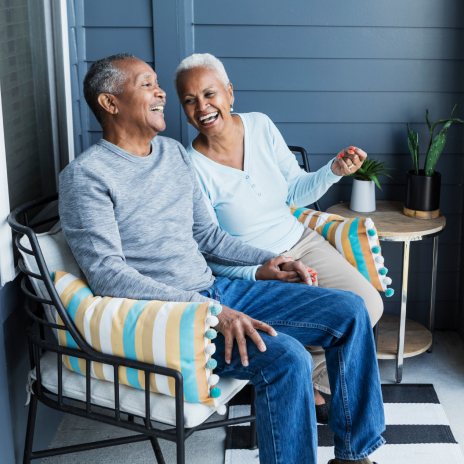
(133,377)
(128,333)
(325,229)
(75,365)
(187,350)
(297,212)
(72,309)
(357,251)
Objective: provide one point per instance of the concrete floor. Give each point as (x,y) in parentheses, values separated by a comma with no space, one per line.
(444,368)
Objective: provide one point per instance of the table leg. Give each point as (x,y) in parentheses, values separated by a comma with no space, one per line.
(402,324)
(434,290)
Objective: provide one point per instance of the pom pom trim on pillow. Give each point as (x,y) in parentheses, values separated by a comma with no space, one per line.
(167,334)
(355,239)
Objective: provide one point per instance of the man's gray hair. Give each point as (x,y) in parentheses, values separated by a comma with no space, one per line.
(104,77)
(202,60)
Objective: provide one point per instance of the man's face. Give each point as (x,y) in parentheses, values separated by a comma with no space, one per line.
(141,103)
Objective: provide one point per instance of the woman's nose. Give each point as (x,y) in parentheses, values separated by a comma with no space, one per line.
(202,104)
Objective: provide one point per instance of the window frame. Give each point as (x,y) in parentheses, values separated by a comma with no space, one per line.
(57,43)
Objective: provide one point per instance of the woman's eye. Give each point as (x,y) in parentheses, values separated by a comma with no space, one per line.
(210,94)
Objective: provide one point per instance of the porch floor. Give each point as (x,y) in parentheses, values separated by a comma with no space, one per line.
(444,368)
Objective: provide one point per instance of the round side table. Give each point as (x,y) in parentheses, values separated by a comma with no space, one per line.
(393,226)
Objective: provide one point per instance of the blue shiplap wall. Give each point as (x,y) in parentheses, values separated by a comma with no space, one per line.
(330,74)
(333,74)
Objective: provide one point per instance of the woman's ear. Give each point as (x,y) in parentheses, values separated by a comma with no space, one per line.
(107,102)
(231,94)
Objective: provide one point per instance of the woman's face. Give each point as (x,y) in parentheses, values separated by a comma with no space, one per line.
(205,101)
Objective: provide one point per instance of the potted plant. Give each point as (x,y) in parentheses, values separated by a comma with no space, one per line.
(365,180)
(423,185)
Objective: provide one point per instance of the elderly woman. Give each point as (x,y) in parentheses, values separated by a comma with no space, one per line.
(250,178)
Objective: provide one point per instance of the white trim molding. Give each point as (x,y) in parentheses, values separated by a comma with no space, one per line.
(7,268)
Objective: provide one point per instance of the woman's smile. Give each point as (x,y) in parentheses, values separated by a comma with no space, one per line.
(208,119)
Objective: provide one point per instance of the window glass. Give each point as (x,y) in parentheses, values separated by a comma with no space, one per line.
(25,91)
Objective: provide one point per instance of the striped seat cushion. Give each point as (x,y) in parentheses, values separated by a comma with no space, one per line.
(356,239)
(168,334)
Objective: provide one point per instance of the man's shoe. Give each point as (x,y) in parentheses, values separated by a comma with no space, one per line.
(343,461)
(322,413)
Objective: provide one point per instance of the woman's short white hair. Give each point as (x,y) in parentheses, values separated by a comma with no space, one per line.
(202,60)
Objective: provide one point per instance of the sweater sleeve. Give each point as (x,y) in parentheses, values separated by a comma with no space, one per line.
(91,230)
(231,272)
(304,187)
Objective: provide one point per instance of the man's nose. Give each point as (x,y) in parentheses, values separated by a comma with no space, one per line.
(160,93)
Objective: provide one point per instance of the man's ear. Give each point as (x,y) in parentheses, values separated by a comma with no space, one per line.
(108,103)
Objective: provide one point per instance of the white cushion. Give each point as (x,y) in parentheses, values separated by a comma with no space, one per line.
(131,399)
(57,255)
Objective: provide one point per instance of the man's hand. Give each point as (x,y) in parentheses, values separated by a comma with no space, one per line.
(235,325)
(286,270)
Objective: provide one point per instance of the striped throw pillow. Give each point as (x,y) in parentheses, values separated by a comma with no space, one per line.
(169,334)
(356,239)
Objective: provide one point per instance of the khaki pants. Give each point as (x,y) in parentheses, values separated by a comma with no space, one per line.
(333,271)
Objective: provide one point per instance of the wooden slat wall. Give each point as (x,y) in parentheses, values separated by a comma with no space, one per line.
(100,28)
(333,74)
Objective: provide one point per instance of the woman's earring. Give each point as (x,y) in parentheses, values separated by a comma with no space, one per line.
(188,122)
(231,108)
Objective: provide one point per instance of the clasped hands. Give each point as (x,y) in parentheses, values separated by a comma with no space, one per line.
(235,325)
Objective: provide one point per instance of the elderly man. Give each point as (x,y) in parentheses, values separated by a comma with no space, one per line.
(136,222)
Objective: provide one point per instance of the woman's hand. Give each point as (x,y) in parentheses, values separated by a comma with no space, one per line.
(286,270)
(348,161)
(235,325)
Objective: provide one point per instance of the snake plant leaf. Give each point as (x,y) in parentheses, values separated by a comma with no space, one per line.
(434,153)
(413,143)
(427,118)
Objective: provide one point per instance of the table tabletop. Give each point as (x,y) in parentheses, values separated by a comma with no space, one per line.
(391,222)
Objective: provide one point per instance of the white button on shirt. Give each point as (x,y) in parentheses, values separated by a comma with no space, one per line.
(254,204)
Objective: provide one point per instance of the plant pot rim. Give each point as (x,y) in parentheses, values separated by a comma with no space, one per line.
(435,174)
(364,180)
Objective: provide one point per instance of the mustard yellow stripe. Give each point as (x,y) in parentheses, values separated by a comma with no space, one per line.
(332,231)
(98,369)
(61,333)
(81,310)
(82,365)
(368,258)
(346,244)
(123,375)
(67,362)
(117,327)
(151,310)
(200,359)
(173,342)
(95,323)
(59,275)
(70,290)
(293,209)
(313,221)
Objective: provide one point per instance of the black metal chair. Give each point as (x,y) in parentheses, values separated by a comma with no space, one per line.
(306,167)
(38,345)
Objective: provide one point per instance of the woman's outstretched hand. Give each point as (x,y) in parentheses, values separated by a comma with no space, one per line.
(348,161)
(235,325)
(287,270)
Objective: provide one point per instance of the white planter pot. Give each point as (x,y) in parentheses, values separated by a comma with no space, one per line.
(363,196)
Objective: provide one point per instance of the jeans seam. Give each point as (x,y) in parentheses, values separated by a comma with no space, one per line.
(270,417)
(333,332)
(341,455)
(345,400)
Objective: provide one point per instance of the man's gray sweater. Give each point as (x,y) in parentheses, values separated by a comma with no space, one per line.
(138,226)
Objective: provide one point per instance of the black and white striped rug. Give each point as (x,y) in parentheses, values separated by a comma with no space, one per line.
(417,431)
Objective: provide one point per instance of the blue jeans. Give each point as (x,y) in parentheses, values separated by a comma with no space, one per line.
(285,413)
